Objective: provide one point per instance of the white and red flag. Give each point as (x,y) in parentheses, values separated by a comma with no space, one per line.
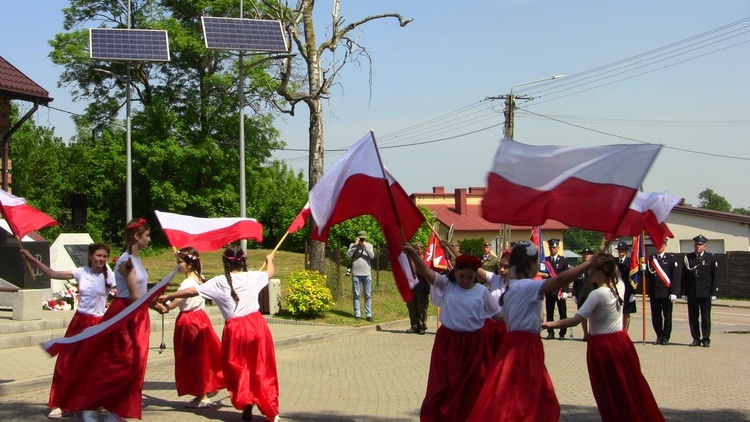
(207,234)
(22,217)
(647,213)
(358,184)
(301,219)
(586,187)
(434,255)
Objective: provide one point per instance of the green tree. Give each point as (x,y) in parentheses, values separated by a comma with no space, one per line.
(743,211)
(312,83)
(713,201)
(576,239)
(185,126)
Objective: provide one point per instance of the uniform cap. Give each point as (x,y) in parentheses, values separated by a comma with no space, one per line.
(486,243)
(700,239)
(587,251)
(417,245)
(622,246)
(553,243)
(362,234)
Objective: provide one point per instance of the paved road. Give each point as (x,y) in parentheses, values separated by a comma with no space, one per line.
(380,375)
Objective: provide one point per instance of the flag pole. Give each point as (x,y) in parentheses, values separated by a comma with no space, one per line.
(276,248)
(28,264)
(388,188)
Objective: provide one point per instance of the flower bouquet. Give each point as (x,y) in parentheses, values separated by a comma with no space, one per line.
(64,300)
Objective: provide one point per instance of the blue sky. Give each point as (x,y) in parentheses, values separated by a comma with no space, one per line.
(426,102)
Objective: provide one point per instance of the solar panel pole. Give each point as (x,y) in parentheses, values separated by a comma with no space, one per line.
(243,199)
(128,157)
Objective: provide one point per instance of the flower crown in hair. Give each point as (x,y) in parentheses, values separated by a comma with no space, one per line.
(184,255)
(468,261)
(135,225)
(233,258)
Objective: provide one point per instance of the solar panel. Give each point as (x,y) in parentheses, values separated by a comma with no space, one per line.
(243,34)
(143,45)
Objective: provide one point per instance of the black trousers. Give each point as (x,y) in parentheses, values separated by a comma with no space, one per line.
(550,300)
(695,306)
(661,317)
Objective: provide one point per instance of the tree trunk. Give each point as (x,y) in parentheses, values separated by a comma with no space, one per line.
(317,249)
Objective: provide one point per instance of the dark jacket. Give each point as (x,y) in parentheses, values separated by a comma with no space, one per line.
(657,289)
(699,276)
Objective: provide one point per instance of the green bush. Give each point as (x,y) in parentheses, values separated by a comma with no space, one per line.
(307,294)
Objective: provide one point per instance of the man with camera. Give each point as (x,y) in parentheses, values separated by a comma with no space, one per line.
(361,254)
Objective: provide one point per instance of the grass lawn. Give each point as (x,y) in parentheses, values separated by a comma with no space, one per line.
(387,304)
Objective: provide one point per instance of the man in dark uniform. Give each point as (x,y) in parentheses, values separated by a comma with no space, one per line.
(489,259)
(558,264)
(420,299)
(661,288)
(623,264)
(581,290)
(699,286)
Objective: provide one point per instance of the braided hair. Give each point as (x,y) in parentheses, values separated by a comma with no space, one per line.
(93,247)
(190,256)
(608,266)
(523,257)
(134,227)
(234,259)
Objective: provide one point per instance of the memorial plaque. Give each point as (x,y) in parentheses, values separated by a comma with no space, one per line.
(79,254)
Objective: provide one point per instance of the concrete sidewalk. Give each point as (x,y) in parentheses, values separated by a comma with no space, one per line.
(29,367)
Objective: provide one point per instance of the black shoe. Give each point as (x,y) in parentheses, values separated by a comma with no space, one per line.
(695,343)
(706,343)
(551,336)
(561,336)
(247,414)
(411,330)
(664,341)
(369,319)
(356,318)
(421,331)
(658,341)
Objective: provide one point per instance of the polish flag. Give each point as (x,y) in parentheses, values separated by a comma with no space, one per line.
(434,256)
(648,212)
(637,259)
(301,219)
(358,184)
(207,234)
(22,217)
(586,187)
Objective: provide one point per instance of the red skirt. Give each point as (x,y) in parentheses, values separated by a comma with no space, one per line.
(249,364)
(458,367)
(109,368)
(620,390)
(78,323)
(197,355)
(495,332)
(518,387)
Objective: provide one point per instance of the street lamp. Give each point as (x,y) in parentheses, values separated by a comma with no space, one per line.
(129,165)
(510,104)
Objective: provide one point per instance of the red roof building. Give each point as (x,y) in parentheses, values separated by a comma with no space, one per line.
(462,210)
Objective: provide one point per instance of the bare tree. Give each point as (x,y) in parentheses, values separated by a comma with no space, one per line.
(315,85)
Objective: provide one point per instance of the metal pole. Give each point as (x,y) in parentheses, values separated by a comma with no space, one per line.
(128,156)
(243,200)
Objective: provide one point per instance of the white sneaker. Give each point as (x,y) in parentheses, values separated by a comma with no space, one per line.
(198,403)
(55,413)
(90,416)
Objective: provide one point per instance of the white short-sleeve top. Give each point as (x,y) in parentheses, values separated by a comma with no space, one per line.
(195,303)
(141,276)
(522,307)
(247,285)
(601,309)
(462,309)
(93,290)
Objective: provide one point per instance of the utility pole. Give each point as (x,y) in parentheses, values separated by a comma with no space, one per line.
(509,112)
